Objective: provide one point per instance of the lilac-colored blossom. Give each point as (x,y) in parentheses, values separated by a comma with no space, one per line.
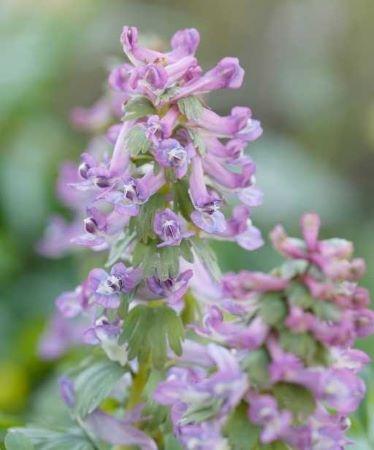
(169,228)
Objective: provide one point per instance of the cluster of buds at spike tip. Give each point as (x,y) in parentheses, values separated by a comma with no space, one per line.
(272,351)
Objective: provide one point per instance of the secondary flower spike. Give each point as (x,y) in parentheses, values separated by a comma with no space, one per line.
(190,358)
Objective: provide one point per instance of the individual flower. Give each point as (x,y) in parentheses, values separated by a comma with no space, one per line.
(107,288)
(170,153)
(169,228)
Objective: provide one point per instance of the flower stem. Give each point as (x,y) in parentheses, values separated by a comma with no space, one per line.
(139,382)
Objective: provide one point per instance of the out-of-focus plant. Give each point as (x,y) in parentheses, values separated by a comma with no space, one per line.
(183,356)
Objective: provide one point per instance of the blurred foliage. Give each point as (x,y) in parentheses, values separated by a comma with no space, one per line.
(309,79)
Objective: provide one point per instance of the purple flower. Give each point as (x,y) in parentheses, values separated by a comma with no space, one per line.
(172,288)
(169,228)
(60,335)
(121,155)
(100,114)
(264,411)
(207,215)
(240,228)
(233,333)
(170,153)
(251,196)
(185,42)
(243,284)
(102,330)
(227,178)
(70,304)
(343,390)
(99,227)
(161,128)
(231,151)
(328,431)
(121,78)
(117,432)
(186,391)
(137,54)
(226,74)
(106,334)
(132,192)
(180,69)
(107,288)
(58,235)
(227,126)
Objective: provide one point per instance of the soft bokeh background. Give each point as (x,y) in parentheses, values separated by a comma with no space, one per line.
(310,71)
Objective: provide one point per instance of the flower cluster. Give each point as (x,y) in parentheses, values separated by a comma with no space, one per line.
(284,342)
(269,357)
(165,175)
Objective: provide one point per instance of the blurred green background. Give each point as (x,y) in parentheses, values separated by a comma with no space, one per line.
(309,79)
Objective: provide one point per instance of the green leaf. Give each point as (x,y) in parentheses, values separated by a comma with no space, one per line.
(201,411)
(171,443)
(161,262)
(191,308)
(118,248)
(16,440)
(321,356)
(295,398)
(144,221)
(137,141)
(182,199)
(206,256)
(256,364)
(45,439)
(149,330)
(191,107)
(276,445)
(292,268)
(301,344)
(138,107)
(299,296)
(94,384)
(272,308)
(326,310)
(186,252)
(241,433)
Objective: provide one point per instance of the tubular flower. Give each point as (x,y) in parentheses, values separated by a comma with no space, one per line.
(269,357)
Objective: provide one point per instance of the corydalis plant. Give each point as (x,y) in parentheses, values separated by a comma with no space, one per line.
(192,359)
